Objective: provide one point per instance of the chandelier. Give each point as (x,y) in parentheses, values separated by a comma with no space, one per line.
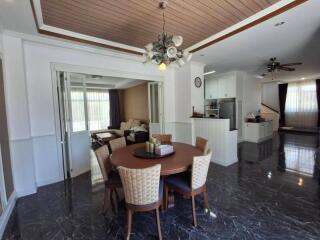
(165,50)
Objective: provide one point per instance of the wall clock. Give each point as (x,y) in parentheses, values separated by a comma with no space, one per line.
(197,82)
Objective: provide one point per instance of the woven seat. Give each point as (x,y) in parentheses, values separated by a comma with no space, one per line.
(143,191)
(111,177)
(163,138)
(191,184)
(117,143)
(202,144)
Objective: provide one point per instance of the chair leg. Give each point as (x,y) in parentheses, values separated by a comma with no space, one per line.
(166,193)
(158,224)
(117,195)
(205,198)
(111,200)
(104,199)
(129,212)
(194,211)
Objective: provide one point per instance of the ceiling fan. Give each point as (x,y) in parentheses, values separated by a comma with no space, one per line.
(274,66)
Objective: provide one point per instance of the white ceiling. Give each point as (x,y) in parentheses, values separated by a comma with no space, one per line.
(112,82)
(295,41)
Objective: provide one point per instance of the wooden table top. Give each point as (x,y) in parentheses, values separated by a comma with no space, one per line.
(176,163)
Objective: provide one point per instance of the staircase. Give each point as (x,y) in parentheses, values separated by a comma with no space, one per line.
(270,114)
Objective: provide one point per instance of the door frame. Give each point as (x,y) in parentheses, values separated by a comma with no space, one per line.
(63,67)
(160,104)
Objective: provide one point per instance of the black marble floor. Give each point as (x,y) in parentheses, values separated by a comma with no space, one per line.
(270,194)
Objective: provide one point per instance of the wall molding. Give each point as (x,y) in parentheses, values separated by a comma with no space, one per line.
(7,212)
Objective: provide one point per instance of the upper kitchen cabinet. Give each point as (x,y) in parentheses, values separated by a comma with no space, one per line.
(212,89)
(221,86)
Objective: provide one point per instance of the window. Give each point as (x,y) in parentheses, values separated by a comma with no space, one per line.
(93,100)
(98,109)
(301,109)
(77,109)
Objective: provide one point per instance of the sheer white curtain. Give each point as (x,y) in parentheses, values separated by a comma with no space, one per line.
(77,109)
(301,108)
(97,106)
(98,109)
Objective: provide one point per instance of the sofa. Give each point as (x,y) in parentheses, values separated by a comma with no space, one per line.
(133,125)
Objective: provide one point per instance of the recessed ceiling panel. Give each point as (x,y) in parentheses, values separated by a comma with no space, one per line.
(137,22)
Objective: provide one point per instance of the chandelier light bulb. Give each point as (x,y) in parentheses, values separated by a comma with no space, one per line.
(149,47)
(181,62)
(162,67)
(172,52)
(177,40)
(188,57)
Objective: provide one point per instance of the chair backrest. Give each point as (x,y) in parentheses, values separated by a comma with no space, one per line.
(103,157)
(200,168)
(163,138)
(117,143)
(140,186)
(202,144)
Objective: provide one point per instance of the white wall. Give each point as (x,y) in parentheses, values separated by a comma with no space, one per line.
(270,95)
(186,96)
(251,101)
(1,47)
(29,96)
(18,116)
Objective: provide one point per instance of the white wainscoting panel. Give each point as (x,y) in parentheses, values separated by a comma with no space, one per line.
(47,167)
(222,141)
(23,167)
(183,132)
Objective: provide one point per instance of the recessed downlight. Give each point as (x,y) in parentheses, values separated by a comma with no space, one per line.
(303,78)
(202,55)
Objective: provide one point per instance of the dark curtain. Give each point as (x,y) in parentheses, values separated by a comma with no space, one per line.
(318,99)
(115,108)
(282,102)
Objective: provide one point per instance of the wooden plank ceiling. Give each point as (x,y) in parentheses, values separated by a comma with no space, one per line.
(138,22)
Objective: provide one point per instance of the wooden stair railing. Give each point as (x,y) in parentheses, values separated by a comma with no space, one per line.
(272,109)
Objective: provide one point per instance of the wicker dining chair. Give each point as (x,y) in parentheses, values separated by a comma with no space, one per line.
(163,138)
(143,190)
(117,143)
(202,144)
(191,184)
(111,177)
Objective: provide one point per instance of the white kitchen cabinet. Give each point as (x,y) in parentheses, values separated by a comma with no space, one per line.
(258,132)
(223,87)
(212,89)
(227,87)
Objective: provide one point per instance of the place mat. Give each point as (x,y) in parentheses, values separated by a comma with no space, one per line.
(142,153)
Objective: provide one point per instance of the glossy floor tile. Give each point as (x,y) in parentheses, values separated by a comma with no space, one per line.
(272,193)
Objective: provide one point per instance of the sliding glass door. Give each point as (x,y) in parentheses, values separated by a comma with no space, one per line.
(75,137)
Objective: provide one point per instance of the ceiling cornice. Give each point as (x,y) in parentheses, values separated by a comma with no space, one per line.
(252,21)
(73,36)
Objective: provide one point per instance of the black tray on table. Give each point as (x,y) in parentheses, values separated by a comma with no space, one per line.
(142,153)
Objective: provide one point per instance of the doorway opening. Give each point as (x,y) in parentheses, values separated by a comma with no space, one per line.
(91,106)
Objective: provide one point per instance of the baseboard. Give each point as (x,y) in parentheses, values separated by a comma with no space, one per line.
(7,213)
(26,192)
(49,181)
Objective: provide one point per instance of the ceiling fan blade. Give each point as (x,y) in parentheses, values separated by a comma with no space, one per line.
(291,64)
(286,68)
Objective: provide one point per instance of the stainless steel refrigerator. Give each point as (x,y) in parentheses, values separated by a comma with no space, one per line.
(227,110)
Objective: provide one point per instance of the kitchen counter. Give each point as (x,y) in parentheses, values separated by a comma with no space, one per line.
(222,141)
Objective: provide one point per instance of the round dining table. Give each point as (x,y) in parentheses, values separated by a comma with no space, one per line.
(178,162)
